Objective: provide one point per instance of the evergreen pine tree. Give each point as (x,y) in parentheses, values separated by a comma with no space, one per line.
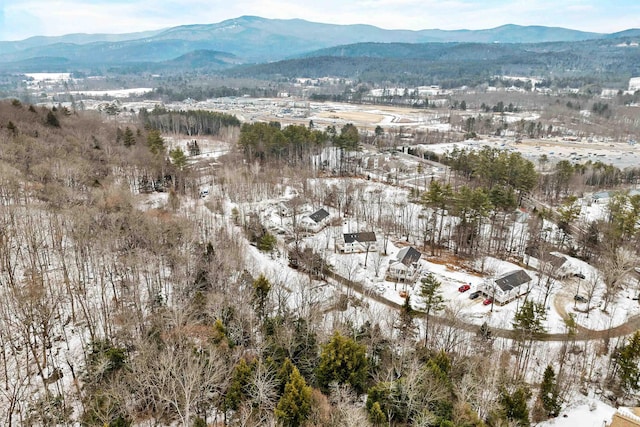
(626,359)
(52,120)
(432,299)
(514,405)
(178,157)
(284,374)
(155,142)
(406,324)
(377,417)
(129,138)
(238,387)
(295,404)
(343,361)
(267,242)
(261,288)
(484,331)
(549,393)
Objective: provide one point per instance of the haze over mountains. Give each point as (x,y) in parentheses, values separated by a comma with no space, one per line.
(247,40)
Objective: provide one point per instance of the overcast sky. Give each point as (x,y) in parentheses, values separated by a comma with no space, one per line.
(20,19)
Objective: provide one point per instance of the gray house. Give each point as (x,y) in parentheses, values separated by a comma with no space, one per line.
(506,287)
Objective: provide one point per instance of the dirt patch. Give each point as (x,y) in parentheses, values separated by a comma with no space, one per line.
(359,117)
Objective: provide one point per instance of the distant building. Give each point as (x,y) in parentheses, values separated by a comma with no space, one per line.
(604,196)
(552,264)
(634,84)
(506,287)
(625,417)
(357,242)
(293,207)
(601,197)
(316,221)
(609,93)
(405,267)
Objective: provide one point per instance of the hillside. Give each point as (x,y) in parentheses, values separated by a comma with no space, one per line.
(435,63)
(167,279)
(252,40)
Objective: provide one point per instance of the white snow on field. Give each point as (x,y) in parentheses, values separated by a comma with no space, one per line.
(370,269)
(117,93)
(619,155)
(210,148)
(590,212)
(582,412)
(515,118)
(42,77)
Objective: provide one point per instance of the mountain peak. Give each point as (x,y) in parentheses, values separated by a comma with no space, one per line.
(257,39)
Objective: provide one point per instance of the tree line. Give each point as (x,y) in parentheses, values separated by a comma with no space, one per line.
(189,122)
(295,144)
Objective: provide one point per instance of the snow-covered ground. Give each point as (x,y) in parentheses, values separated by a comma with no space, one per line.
(210,148)
(619,154)
(370,269)
(582,412)
(116,93)
(52,77)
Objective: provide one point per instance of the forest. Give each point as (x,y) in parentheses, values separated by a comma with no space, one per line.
(125,303)
(459,64)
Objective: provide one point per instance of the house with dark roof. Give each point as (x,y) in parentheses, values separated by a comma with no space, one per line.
(554,264)
(506,287)
(406,266)
(316,221)
(357,242)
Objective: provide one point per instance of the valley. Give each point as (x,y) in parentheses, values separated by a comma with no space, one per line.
(273,222)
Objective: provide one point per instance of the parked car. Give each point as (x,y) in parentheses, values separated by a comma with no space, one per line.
(464,288)
(474,295)
(580,298)
(487,301)
(579,275)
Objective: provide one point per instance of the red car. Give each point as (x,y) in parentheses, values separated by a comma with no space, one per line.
(487,301)
(464,288)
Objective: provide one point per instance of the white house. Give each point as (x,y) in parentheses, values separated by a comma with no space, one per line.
(506,287)
(554,264)
(315,221)
(405,267)
(357,242)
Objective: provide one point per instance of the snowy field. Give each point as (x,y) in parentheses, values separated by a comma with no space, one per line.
(582,412)
(116,93)
(619,154)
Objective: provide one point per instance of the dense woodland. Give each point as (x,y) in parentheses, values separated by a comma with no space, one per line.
(159,318)
(192,122)
(460,64)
